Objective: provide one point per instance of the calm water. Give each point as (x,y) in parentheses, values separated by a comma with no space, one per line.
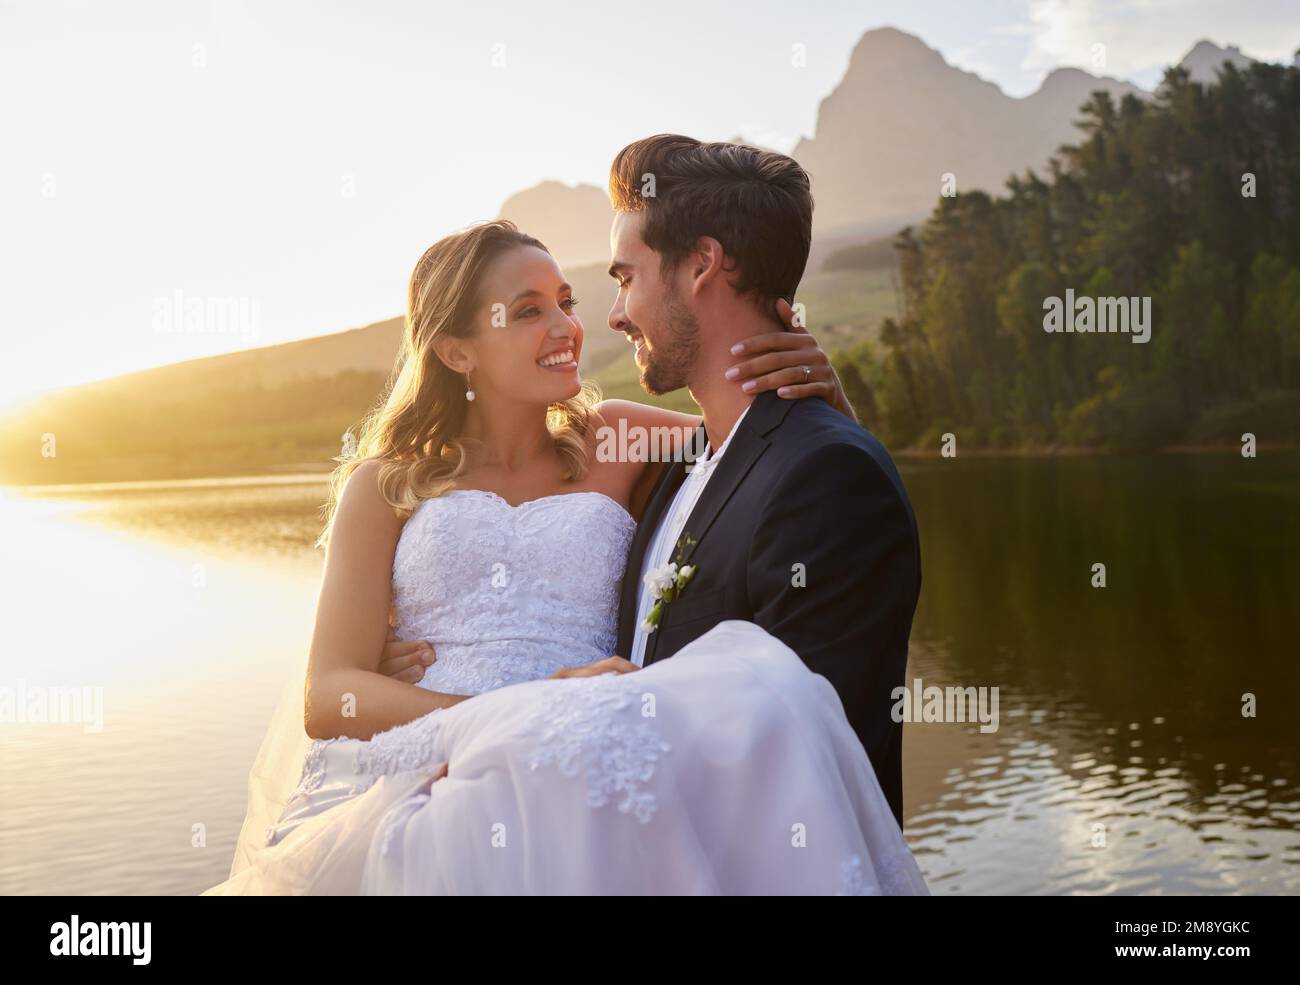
(1122,762)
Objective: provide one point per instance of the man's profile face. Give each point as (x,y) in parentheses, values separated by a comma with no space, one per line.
(650,309)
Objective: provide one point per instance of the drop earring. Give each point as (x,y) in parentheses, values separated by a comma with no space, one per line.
(469,389)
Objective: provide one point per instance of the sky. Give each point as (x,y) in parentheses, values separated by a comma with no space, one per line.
(183,178)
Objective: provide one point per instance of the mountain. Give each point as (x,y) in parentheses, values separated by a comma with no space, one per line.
(902,117)
(572,220)
(1206,58)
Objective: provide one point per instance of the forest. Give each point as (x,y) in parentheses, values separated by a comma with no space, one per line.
(1190,198)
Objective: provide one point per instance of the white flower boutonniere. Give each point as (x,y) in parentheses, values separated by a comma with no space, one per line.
(667,581)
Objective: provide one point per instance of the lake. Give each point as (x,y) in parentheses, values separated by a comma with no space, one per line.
(1122,761)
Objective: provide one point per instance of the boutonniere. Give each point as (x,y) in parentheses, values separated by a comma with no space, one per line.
(667,581)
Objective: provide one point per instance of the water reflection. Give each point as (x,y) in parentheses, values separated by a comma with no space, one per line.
(191,650)
(1121,706)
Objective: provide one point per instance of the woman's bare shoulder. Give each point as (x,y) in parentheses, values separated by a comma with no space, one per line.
(362,504)
(643,415)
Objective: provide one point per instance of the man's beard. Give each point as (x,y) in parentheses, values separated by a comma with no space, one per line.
(668,364)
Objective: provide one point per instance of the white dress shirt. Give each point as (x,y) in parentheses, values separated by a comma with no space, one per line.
(663,543)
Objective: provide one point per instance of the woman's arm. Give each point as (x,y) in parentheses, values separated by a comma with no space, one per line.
(669,430)
(345,693)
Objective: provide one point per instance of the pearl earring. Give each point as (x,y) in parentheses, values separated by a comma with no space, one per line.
(469,390)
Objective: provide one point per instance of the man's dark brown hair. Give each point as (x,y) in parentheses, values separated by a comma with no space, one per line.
(756,203)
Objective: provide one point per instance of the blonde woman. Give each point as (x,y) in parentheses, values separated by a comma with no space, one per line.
(529,758)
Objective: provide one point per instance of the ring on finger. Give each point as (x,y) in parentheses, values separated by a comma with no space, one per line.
(807,373)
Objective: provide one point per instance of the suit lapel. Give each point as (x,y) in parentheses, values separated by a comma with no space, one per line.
(630,597)
(746,447)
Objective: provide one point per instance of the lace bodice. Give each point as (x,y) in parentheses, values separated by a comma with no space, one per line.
(508,594)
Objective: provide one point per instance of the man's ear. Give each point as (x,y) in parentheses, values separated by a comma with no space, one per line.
(706,262)
(454,353)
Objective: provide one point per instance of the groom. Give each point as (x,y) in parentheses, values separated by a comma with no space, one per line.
(794,518)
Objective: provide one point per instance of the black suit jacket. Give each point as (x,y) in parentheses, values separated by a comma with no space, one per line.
(800,484)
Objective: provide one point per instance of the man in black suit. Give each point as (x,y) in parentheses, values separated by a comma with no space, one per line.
(798,521)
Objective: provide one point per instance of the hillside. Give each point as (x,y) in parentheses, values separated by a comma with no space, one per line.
(288,406)
(277,407)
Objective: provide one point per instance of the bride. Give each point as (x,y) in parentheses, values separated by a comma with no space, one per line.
(527,759)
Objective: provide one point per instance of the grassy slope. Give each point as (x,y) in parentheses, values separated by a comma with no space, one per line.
(288,406)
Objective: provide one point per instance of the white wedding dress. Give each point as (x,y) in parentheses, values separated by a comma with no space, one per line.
(729,768)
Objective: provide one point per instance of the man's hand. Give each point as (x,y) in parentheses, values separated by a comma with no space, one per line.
(614,665)
(406,660)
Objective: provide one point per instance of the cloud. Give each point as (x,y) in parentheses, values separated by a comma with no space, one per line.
(1134,35)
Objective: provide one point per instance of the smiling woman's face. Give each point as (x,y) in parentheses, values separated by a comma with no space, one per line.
(528,337)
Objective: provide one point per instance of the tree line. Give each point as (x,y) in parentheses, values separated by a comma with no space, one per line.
(1190,198)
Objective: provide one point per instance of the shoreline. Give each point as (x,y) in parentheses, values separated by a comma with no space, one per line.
(308,472)
(1075,451)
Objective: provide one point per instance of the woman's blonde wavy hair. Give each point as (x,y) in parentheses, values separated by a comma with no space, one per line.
(416,432)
